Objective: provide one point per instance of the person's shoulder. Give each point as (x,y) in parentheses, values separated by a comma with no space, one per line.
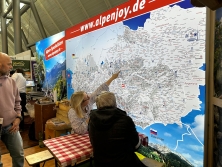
(121,111)
(11,80)
(71,109)
(93,111)
(15,74)
(71,112)
(124,115)
(20,75)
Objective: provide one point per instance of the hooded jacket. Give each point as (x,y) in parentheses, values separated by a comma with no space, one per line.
(114,137)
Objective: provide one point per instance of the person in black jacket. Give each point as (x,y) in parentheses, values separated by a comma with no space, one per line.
(113,134)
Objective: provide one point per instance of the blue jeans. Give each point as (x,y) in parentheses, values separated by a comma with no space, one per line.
(14,145)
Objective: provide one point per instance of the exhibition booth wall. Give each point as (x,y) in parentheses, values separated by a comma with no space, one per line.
(160,49)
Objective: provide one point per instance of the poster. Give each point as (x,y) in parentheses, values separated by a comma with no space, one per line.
(159,47)
(22,64)
(51,62)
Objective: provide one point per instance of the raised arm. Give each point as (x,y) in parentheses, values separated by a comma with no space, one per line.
(103,87)
(114,76)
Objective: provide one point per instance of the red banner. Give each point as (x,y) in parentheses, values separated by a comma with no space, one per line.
(55,49)
(123,12)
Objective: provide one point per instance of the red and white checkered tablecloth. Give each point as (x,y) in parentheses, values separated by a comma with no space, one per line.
(70,149)
(74,148)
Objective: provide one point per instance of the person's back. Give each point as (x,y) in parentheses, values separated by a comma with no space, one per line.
(20,81)
(114,138)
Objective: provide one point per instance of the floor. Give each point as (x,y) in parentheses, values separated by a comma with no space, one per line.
(26,141)
(6,159)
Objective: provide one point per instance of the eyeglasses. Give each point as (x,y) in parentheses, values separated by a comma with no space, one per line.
(85,99)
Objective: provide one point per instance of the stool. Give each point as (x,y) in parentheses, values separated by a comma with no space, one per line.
(35,159)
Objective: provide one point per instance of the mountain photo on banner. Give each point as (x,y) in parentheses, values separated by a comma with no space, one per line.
(51,63)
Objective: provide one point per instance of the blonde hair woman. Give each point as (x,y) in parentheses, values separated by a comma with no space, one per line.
(81,105)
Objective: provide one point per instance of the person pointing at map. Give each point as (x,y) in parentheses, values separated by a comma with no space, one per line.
(81,105)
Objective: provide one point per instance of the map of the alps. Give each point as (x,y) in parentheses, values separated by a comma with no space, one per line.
(162,80)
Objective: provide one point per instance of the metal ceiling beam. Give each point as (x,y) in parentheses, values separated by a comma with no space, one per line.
(70,22)
(25,1)
(24,9)
(50,17)
(17,26)
(47,32)
(11,38)
(108,4)
(27,29)
(37,19)
(24,38)
(35,32)
(83,9)
(4,29)
(26,42)
(10,48)
(30,45)
(9,35)
(9,17)
(7,10)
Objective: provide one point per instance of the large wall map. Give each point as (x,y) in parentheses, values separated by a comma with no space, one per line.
(161,56)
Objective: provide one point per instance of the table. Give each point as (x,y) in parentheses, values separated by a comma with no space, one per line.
(72,149)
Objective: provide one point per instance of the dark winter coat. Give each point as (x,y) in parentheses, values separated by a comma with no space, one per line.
(113,136)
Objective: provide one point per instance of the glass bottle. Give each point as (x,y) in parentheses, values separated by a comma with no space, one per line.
(41,144)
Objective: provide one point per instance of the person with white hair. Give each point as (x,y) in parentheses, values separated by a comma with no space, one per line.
(113,134)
